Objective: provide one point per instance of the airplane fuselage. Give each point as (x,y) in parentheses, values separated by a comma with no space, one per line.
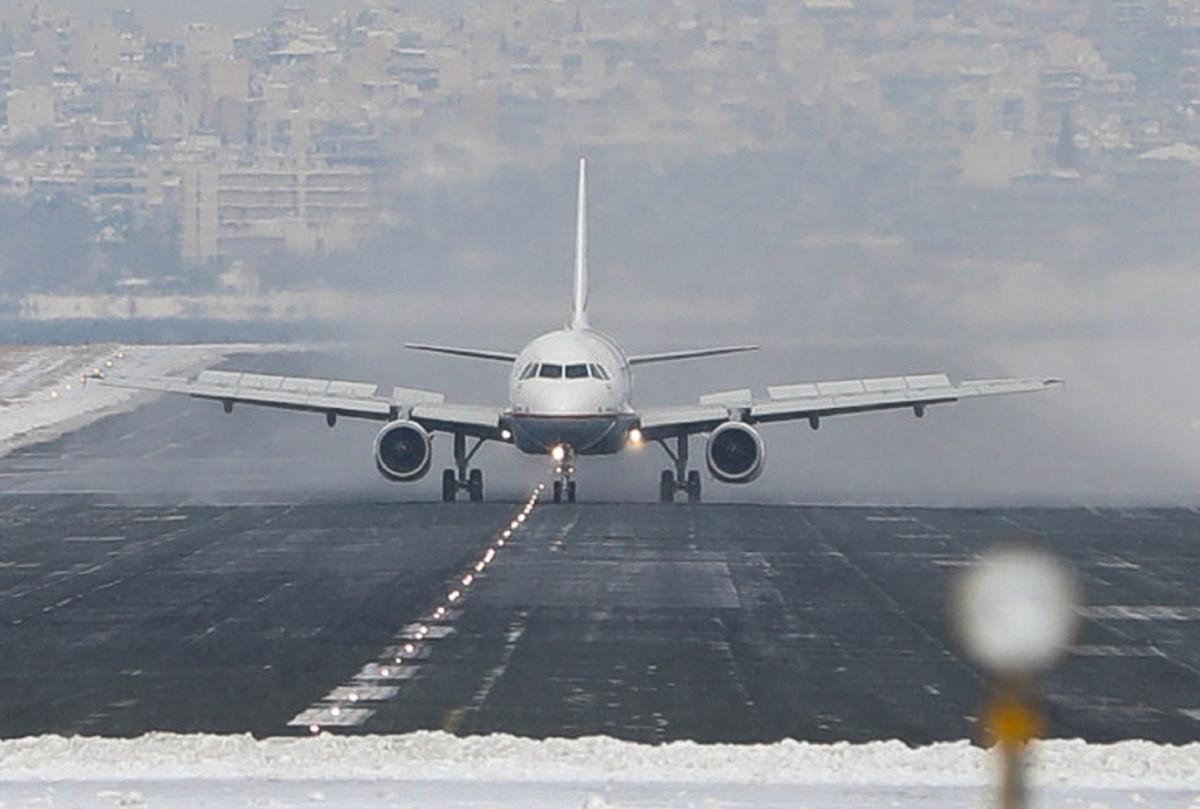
(571,388)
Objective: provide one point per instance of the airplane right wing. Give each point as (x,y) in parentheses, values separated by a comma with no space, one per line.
(813,401)
(331,397)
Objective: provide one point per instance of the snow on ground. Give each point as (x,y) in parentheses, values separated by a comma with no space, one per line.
(436,769)
(43,394)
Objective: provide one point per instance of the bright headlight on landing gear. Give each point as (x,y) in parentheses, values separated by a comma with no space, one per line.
(558,453)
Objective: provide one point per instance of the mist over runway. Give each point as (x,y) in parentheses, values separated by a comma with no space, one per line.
(134,598)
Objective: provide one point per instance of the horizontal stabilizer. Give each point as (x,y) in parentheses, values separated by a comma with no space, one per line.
(671,356)
(473,353)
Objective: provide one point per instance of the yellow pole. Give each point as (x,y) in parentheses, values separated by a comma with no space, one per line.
(1011,724)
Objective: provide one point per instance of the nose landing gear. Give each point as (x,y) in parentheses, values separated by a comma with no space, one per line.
(680,479)
(462,477)
(564,485)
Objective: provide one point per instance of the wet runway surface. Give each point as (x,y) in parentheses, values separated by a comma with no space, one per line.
(129,603)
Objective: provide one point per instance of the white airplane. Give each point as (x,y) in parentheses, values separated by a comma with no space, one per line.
(570,394)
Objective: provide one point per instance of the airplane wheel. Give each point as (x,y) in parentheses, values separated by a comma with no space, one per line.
(449,486)
(693,486)
(475,485)
(570,491)
(558,491)
(666,487)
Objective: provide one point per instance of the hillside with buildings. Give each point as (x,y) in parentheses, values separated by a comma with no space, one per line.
(191,156)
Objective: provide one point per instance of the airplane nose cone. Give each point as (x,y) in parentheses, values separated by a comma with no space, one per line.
(579,414)
(570,399)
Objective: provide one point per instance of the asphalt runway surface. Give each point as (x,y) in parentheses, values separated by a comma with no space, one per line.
(155,578)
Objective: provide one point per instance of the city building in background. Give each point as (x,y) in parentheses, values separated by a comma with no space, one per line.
(293,138)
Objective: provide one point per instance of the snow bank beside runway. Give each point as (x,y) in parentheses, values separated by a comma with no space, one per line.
(427,756)
(43,396)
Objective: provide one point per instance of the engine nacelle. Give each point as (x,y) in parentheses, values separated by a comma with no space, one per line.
(403,451)
(735,453)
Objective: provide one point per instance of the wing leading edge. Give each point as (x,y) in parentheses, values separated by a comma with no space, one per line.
(816,400)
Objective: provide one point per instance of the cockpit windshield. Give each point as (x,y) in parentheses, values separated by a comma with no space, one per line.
(575,370)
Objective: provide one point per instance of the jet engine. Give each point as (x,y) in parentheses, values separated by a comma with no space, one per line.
(403,451)
(735,453)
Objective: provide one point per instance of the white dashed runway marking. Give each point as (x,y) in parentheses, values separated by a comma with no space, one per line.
(354,702)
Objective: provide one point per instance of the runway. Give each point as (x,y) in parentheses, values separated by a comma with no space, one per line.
(133,599)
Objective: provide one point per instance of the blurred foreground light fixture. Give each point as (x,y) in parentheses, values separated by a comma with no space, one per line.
(1016,613)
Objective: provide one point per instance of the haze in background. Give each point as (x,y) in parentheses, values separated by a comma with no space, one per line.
(865,189)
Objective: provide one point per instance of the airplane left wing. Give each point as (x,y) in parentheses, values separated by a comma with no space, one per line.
(480,421)
(813,401)
(332,397)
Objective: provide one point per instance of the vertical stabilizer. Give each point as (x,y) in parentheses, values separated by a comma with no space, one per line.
(579,306)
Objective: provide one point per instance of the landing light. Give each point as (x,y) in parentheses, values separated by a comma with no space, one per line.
(558,453)
(636,439)
(506,435)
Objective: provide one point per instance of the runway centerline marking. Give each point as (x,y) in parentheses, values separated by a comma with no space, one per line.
(354,702)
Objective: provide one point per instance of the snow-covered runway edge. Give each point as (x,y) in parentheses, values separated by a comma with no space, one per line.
(43,394)
(440,756)
(437,769)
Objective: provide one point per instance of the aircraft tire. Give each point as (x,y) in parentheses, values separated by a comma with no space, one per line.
(666,487)
(570,491)
(558,491)
(475,485)
(693,486)
(449,486)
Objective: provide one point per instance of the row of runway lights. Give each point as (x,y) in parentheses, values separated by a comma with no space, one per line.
(455,595)
(109,363)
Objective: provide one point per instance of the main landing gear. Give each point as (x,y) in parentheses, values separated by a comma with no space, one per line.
(462,477)
(564,485)
(680,479)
